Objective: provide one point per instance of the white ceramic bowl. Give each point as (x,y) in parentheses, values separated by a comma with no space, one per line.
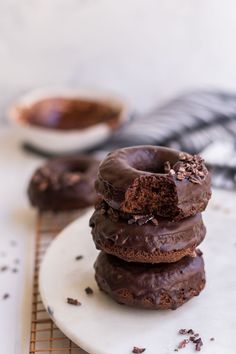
(57,141)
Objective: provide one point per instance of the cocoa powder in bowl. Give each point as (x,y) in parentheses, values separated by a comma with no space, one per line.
(70,113)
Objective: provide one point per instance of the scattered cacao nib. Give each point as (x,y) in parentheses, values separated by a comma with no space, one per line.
(184,156)
(115,215)
(138,350)
(73,301)
(3,268)
(14,270)
(167,167)
(50,310)
(191,168)
(183,344)
(195,180)
(144,220)
(79,257)
(199,252)
(155,221)
(180,176)
(141,219)
(6,296)
(198,345)
(88,290)
(131,221)
(193,337)
(212,339)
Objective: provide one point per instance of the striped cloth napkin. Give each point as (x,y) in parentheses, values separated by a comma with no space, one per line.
(197,122)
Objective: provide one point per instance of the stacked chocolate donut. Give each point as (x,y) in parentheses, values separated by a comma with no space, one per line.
(148,224)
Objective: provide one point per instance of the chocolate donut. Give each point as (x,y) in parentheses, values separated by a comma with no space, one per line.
(154,180)
(64,183)
(153,241)
(159,286)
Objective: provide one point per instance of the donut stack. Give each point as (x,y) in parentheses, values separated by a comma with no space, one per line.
(148,224)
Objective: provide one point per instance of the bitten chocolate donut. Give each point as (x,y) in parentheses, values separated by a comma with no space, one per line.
(159,286)
(64,183)
(154,180)
(145,239)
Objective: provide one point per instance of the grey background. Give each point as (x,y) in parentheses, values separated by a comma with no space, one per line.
(146,50)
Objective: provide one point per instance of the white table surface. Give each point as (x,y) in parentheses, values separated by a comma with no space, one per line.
(17,241)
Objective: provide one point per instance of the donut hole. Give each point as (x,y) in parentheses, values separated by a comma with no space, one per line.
(77,168)
(152,161)
(153,168)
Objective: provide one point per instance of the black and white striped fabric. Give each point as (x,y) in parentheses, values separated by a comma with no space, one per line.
(197,122)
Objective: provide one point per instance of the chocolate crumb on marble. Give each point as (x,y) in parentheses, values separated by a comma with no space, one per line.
(72,301)
(193,337)
(88,290)
(137,350)
(198,344)
(183,344)
(14,270)
(50,310)
(6,296)
(212,339)
(4,268)
(79,257)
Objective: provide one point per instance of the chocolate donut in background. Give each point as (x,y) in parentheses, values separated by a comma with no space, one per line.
(64,183)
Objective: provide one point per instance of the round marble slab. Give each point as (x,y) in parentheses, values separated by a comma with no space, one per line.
(101,326)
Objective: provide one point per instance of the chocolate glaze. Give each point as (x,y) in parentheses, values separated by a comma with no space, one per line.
(134,180)
(64,183)
(168,241)
(161,286)
(69,114)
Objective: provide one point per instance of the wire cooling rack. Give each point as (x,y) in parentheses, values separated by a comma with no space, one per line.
(45,337)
